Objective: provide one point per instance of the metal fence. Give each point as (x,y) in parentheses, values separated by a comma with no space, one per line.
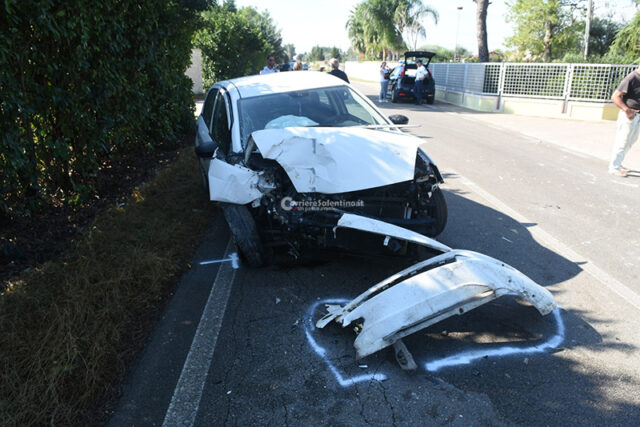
(570,82)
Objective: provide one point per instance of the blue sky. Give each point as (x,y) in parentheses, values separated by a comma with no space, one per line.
(307,23)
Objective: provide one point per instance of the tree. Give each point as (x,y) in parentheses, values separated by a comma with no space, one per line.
(408,19)
(316,54)
(602,35)
(627,42)
(290,52)
(442,53)
(228,5)
(269,33)
(357,28)
(543,28)
(237,43)
(376,27)
(481,29)
(334,52)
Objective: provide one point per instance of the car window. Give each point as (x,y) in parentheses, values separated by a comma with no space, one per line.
(357,109)
(396,72)
(323,98)
(207,108)
(220,131)
(332,106)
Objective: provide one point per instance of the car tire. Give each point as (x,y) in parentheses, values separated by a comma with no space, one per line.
(430,101)
(394,96)
(439,212)
(245,234)
(205,179)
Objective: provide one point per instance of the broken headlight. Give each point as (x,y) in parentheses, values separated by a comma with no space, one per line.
(424,168)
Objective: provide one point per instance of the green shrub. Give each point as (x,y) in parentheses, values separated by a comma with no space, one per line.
(235,43)
(83,79)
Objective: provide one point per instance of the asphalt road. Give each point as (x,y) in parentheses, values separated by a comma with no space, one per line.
(238,347)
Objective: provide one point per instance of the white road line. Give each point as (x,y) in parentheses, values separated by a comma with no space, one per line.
(613,284)
(624,183)
(185,402)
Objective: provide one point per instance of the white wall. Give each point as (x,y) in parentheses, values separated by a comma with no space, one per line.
(367,70)
(195,71)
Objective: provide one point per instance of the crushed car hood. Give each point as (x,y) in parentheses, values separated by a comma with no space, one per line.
(339,160)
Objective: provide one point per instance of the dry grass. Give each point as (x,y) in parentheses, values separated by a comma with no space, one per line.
(69,329)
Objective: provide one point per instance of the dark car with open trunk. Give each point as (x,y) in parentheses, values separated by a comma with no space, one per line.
(403,77)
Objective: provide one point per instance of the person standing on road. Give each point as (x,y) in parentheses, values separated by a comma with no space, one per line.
(335,71)
(271,66)
(384,81)
(418,87)
(298,65)
(627,98)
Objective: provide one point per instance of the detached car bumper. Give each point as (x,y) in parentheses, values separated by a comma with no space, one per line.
(426,293)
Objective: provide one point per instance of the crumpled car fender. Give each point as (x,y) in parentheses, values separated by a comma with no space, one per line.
(232,183)
(430,291)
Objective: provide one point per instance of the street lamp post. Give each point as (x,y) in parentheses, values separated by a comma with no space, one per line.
(455,48)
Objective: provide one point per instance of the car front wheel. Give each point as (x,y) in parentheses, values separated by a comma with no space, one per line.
(205,179)
(245,234)
(439,212)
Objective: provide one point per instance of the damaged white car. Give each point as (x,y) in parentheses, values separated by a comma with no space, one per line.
(303,159)
(287,154)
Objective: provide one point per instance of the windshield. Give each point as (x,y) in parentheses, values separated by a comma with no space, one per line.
(331,107)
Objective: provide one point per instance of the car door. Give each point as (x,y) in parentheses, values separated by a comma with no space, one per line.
(221,123)
(203,132)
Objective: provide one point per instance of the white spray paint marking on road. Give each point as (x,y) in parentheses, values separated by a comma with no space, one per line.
(188,392)
(560,248)
(462,358)
(627,184)
(233,259)
(310,327)
(466,357)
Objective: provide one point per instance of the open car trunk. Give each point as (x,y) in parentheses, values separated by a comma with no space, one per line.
(418,55)
(426,293)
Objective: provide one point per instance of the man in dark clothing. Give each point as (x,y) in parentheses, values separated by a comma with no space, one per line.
(627,98)
(336,71)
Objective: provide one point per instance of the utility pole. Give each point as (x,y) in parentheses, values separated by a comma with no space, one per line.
(455,49)
(587,28)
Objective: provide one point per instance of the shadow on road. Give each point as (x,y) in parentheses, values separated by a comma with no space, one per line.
(266,359)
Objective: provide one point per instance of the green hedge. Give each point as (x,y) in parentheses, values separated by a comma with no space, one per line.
(82,79)
(236,43)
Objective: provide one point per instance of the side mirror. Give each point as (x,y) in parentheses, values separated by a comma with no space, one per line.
(206,149)
(399,119)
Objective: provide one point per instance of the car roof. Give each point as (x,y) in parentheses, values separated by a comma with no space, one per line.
(257,85)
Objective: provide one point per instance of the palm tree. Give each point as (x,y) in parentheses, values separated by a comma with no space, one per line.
(356,28)
(408,18)
(379,25)
(481,29)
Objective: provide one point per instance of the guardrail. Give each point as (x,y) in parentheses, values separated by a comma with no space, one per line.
(568,82)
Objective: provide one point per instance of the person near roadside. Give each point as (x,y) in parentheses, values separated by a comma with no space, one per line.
(627,98)
(418,87)
(298,65)
(384,81)
(336,71)
(271,66)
